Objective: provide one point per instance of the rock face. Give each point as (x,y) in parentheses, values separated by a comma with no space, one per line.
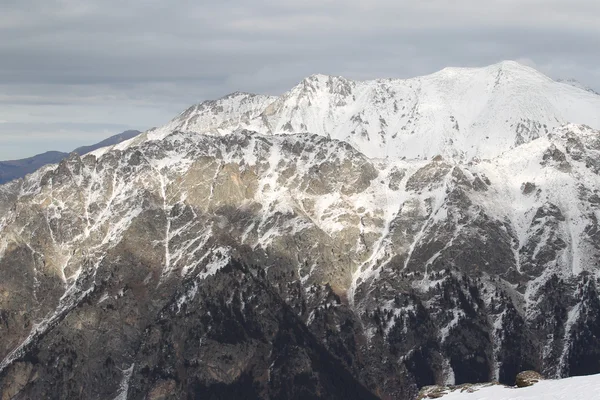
(199,264)
(294,266)
(528,378)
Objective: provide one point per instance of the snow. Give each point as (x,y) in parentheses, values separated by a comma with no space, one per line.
(380,199)
(73,296)
(577,84)
(105,296)
(124,387)
(457,315)
(449,378)
(505,201)
(218,259)
(460,113)
(188,296)
(572,318)
(576,388)
(214,260)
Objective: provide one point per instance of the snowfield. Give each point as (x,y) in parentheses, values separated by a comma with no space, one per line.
(577,388)
(460,113)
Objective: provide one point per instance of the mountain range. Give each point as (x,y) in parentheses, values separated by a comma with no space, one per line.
(458,113)
(15,169)
(344,240)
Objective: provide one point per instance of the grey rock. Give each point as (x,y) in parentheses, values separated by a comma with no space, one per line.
(290,267)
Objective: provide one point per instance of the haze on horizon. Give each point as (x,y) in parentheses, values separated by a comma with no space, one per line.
(75,72)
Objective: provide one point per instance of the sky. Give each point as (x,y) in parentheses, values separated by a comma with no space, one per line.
(73,72)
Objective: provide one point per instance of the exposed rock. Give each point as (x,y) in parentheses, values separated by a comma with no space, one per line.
(528,378)
(528,188)
(553,156)
(197,265)
(437,392)
(432,392)
(396,178)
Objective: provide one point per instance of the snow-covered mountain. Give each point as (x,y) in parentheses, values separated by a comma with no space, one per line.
(240,263)
(458,113)
(577,84)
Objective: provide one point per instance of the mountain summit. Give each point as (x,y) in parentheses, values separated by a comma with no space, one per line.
(459,113)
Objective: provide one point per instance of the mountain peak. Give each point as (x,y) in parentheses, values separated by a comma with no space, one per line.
(509,67)
(328,83)
(317,78)
(516,67)
(238,94)
(511,64)
(459,113)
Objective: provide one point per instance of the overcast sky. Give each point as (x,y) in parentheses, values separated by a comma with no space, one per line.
(73,72)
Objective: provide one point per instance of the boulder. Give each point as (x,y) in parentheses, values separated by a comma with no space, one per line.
(528,378)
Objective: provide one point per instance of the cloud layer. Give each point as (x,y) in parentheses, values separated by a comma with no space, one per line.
(137,63)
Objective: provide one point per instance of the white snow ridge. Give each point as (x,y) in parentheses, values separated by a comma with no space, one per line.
(459,113)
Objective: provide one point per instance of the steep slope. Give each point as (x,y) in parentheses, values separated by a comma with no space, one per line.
(196,264)
(216,117)
(504,256)
(460,113)
(577,84)
(15,169)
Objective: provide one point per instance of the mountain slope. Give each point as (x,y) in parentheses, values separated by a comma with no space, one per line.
(297,247)
(578,85)
(459,113)
(15,169)
(121,137)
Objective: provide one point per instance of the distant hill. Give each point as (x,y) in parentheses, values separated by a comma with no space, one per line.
(15,169)
(121,137)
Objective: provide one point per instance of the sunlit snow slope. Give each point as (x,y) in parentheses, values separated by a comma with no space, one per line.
(457,112)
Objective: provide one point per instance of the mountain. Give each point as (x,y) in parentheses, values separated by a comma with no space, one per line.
(230,263)
(15,169)
(459,113)
(121,137)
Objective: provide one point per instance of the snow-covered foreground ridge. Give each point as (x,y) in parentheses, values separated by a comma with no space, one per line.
(577,388)
(459,113)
